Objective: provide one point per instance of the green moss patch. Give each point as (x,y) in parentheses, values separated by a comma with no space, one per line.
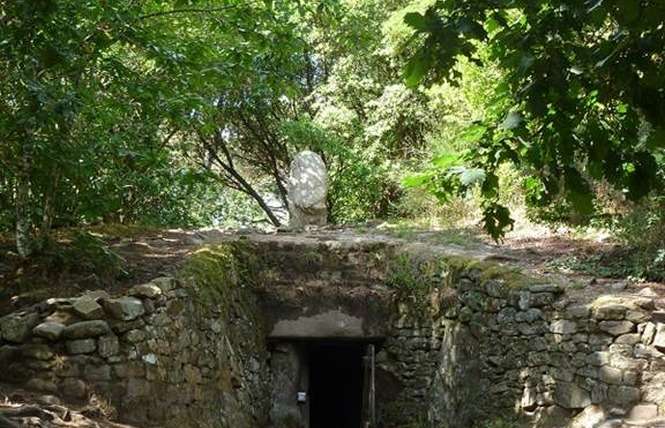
(216,271)
(416,276)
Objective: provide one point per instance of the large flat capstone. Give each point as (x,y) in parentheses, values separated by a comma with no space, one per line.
(331,324)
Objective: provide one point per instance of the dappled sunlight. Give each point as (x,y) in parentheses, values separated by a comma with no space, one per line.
(206,205)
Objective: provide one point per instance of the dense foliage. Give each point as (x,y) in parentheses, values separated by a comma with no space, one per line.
(582,99)
(188,112)
(92,96)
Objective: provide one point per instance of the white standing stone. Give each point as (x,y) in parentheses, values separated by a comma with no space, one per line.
(308,189)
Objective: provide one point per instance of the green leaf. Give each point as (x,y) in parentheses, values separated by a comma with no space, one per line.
(492,25)
(416,180)
(473,133)
(656,139)
(642,177)
(417,21)
(578,192)
(490,186)
(629,10)
(416,69)
(497,221)
(446,160)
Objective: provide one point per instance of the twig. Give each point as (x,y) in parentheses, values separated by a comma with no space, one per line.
(27,411)
(187,10)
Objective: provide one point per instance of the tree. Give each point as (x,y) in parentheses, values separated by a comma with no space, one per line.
(95,100)
(49,51)
(238,140)
(320,81)
(374,124)
(582,98)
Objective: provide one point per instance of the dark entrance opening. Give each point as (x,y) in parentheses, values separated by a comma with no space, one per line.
(336,384)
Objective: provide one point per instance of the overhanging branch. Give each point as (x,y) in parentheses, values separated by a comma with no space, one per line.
(186,10)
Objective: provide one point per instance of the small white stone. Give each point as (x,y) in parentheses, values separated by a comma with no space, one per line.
(563,327)
(644,411)
(659,340)
(150,359)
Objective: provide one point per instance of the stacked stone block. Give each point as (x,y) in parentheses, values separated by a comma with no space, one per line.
(528,352)
(153,354)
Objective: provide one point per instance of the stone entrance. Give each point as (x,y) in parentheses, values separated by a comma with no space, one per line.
(322,383)
(336,384)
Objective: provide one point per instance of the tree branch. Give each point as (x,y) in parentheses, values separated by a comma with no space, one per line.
(239,179)
(186,10)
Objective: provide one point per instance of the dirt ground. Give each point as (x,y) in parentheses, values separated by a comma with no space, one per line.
(144,255)
(19,408)
(147,254)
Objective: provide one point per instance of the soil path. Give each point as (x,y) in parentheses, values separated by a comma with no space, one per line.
(149,254)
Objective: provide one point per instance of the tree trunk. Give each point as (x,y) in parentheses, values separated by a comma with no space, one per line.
(255,195)
(22,203)
(264,206)
(48,210)
(230,169)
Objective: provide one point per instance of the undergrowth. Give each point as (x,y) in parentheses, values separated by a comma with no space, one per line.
(636,264)
(415,277)
(84,253)
(499,423)
(638,235)
(215,272)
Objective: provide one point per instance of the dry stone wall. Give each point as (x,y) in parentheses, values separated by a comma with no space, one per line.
(529,352)
(461,342)
(157,355)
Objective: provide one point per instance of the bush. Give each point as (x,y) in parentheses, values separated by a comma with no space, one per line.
(85,253)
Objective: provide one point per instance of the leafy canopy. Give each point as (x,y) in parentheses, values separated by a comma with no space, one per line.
(96,95)
(583,96)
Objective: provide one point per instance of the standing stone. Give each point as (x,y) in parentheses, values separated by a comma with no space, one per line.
(308,189)
(284,411)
